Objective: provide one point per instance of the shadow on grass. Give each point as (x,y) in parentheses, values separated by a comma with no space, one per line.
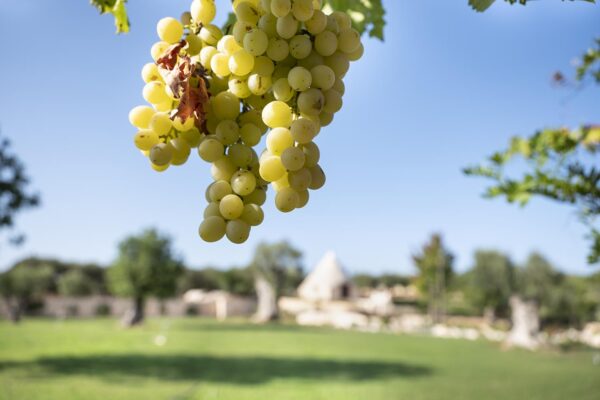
(235,370)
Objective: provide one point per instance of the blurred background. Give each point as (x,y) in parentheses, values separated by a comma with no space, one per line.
(397,280)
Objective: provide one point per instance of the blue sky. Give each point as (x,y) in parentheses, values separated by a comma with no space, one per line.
(448,87)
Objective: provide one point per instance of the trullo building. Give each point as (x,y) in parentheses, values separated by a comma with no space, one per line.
(327,282)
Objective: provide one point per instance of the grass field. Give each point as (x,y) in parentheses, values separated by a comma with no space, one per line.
(204,360)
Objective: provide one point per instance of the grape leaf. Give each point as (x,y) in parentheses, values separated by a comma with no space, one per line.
(118,10)
(367,15)
(481,5)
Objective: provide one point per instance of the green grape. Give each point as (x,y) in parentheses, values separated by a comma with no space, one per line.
(226,105)
(145,139)
(161,154)
(303,10)
(161,123)
(239,87)
(281,8)
(312,60)
(268,24)
(282,90)
(243,183)
(259,102)
(299,78)
(304,130)
(293,158)
(231,206)
(140,116)
(154,92)
(287,26)
(300,180)
(210,150)
(339,86)
(236,3)
(207,193)
(206,55)
(326,43)
(194,44)
(332,25)
(253,117)
(165,106)
(219,64)
(237,231)
(271,168)
(247,13)
(333,102)
(281,71)
(339,63)
(317,4)
(219,189)
(343,20)
(356,54)
(212,229)
(348,40)
(228,132)
(323,77)
(300,46)
(265,6)
(278,49)
(241,62)
(186,18)
(258,197)
(263,66)
(159,168)
(239,31)
(325,118)
(258,84)
(222,169)
(250,134)
(150,73)
(312,154)
(286,199)
(158,49)
(317,23)
(278,140)
(181,151)
(203,11)
(317,177)
(240,155)
(192,136)
(252,215)
(277,114)
(311,101)
(227,44)
(256,42)
(183,125)
(210,34)
(281,183)
(303,197)
(212,210)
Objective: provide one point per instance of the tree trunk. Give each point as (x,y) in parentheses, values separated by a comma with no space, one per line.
(526,324)
(267,301)
(14,312)
(135,315)
(489,315)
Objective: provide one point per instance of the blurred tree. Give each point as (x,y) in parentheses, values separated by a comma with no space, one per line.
(145,266)
(491,283)
(14,194)
(434,265)
(76,283)
(277,270)
(23,284)
(365,281)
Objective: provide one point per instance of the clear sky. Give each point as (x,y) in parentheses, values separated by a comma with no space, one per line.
(448,87)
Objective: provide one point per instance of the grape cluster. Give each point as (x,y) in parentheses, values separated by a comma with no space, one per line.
(276,72)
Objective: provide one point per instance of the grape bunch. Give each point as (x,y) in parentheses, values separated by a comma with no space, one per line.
(277,72)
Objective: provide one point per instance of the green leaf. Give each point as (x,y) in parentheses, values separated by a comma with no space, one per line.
(481,5)
(368,16)
(118,10)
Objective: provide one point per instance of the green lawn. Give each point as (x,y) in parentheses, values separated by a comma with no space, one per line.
(204,360)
